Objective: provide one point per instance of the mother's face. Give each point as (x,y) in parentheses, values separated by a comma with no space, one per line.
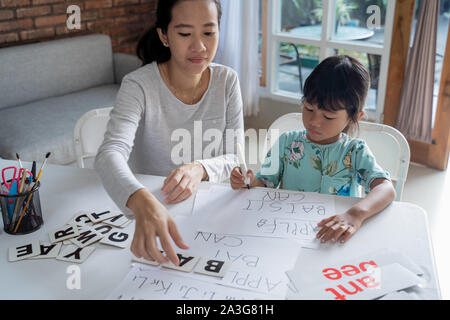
(193,34)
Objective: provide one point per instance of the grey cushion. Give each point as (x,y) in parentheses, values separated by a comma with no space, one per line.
(47,125)
(37,71)
(123,64)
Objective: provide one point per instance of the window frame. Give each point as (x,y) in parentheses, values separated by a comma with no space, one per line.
(273,37)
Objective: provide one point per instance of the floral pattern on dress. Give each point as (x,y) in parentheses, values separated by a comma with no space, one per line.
(315,162)
(296,153)
(322,168)
(361,176)
(331,168)
(297,149)
(343,191)
(348,160)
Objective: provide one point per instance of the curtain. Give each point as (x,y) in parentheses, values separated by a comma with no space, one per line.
(238,47)
(416,106)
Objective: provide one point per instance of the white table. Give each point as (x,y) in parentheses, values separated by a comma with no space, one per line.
(66,190)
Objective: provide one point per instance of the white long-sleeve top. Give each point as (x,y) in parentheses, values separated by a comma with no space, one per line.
(152,132)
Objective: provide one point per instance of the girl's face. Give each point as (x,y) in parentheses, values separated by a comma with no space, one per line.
(192,35)
(323,127)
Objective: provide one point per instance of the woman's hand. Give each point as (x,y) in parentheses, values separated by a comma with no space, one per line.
(153,220)
(183,182)
(340,226)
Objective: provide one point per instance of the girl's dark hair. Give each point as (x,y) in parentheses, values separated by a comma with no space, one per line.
(150,47)
(338,82)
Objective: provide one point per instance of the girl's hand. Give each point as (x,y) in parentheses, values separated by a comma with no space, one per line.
(183,182)
(153,220)
(237,179)
(339,226)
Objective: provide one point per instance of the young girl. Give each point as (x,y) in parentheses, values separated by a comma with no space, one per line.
(323,158)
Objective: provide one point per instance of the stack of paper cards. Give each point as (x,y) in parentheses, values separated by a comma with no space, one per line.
(383,273)
(74,241)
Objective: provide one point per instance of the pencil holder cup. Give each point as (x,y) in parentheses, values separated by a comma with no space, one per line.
(21,213)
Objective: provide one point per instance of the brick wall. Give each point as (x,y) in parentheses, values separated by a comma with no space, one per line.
(27,21)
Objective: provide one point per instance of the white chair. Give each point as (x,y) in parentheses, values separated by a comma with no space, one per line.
(88,134)
(388,145)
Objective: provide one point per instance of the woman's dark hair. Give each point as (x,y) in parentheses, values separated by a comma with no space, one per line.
(150,47)
(338,82)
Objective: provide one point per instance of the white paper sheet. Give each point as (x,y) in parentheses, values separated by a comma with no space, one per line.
(261,212)
(305,273)
(258,263)
(308,277)
(144,283)
(363,286)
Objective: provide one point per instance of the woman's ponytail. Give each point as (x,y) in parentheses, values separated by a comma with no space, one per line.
(150,48)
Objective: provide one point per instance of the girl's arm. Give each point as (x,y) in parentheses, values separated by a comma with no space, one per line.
(346,224)
(381,195)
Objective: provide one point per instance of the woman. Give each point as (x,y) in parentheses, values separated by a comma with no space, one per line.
(177,87)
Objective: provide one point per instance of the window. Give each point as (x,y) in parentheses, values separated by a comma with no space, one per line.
(301,33)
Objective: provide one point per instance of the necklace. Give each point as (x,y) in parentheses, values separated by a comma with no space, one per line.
(197,90)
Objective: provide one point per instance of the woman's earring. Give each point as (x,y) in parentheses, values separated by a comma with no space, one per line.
(165,44)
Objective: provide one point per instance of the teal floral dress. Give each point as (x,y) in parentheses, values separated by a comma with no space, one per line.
(339,168)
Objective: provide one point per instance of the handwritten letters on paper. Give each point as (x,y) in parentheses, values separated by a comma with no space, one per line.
(262,212)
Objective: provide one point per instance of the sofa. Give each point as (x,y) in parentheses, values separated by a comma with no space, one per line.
(46,87)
